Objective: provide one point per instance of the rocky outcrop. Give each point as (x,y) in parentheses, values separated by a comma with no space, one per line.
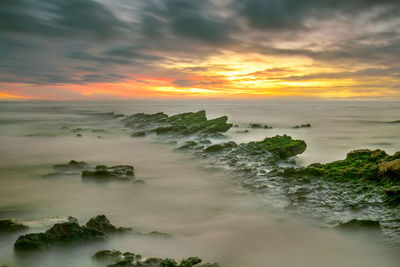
(280,146)
(392,195)
(180,124)
(102,172)
(117,258)
(9,225)
(66,233)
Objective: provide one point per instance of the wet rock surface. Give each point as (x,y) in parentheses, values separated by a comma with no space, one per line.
(307,125)
(102,172)
(362,187)
(117,258)
(180,124)
(66,233)
(10,225)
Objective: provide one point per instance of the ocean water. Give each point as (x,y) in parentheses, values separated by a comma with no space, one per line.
(207,212)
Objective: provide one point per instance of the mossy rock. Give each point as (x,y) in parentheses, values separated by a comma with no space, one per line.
(102,172)
(281,146)
(220,147)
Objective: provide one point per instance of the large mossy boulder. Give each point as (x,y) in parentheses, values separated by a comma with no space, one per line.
(102,172)
(282,146)
(10,225)
(66,233)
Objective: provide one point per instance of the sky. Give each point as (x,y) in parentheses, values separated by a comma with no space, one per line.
(222,49)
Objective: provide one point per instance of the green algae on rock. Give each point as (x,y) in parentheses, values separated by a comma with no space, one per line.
(68,232)
(102,172)
(117,258)
(281,146)
(10,225)
(362,166)
(220,147)
(181,124)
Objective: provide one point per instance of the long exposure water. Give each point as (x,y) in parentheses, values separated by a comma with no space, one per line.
(205,211)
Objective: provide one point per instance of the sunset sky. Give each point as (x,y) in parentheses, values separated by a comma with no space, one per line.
(130,49)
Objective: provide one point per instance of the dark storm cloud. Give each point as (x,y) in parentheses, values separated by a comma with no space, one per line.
(188,19)
(292,14)
(58,18)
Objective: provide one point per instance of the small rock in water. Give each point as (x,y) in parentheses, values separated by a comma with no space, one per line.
(308,125)
(71,166)
(356,224)
(78,135)
(102,224)
(102,172)
(10,225)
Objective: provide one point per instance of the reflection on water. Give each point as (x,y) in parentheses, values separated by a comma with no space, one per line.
(208,215)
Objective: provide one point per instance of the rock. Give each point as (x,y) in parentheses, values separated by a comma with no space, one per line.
(255,125)
(10,225)
(110,115)
(356,224)
(138,134)
(187,145)
(280,146)
(392,195)
(181,124)
(129,259)
(259,126)
(99,131)
(71,166)
(391,168)
(221,146)
(107,255)
(78,135)
(235,126)
(244,131)
(308,125)
(67,232)
(102,224)
(102,172)
(396,121)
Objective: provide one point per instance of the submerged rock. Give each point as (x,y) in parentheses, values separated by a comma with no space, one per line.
(220,147)
(71,166)
(308,125)
(68,232)
(187,145)
(281,146)
(259,126)
(9,225)
(102,224)
(356,224)
(117,258)
(102,172)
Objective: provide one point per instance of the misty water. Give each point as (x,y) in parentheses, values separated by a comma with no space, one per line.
(207,212)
